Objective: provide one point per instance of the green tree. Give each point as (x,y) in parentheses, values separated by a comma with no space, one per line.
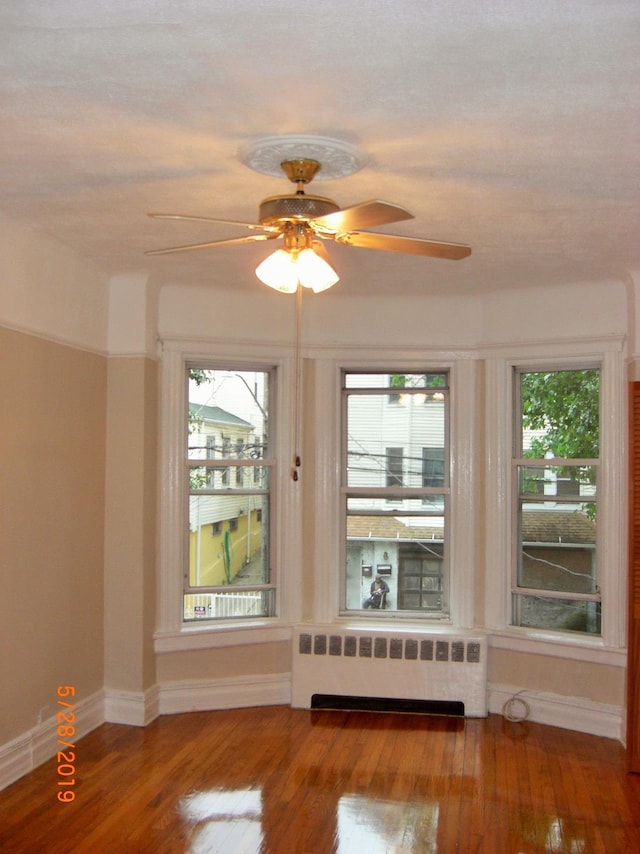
(565,406)
(199,375)
(418,381)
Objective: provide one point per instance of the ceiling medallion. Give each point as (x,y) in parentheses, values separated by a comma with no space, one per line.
(338,159)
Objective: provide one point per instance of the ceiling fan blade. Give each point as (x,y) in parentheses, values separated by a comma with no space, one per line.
(252,238)
(189,218)
(409,245)
(364,215)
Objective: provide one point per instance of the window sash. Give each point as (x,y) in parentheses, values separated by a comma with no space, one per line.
(237,600)
(415,498)
(523,594)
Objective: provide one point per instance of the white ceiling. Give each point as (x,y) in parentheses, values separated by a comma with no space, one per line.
(511,126)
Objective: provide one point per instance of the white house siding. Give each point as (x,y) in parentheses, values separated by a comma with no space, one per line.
(412,425)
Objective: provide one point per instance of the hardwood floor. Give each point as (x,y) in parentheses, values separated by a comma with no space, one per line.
(281,781)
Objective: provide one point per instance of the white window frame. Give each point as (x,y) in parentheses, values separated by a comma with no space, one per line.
(172,633)
(500,364)
(393,493)
(518,461)
(328,551)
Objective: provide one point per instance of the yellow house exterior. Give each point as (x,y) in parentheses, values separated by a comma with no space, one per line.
(211,546)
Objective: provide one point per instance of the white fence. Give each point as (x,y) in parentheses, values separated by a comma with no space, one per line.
(208,606)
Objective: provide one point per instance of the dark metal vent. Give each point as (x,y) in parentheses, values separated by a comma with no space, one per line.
(341,702)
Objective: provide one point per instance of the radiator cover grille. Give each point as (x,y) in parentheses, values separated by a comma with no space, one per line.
(389,664)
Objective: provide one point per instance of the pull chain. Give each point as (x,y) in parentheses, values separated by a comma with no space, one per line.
(297,462)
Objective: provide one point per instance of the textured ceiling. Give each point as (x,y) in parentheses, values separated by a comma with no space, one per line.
(511,126)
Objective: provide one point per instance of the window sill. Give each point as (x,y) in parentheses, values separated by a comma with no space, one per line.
(538,642)
(442,626)
(514,640)
(230,634)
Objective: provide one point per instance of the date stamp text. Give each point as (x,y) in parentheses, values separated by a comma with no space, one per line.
(66,741)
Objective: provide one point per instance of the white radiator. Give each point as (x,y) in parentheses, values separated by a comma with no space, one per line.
(388,664)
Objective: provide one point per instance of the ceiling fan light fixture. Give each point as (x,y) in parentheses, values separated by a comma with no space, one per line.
(279,272)
(284,270)
(314,272)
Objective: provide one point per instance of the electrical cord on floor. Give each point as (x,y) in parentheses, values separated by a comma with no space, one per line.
(516,709)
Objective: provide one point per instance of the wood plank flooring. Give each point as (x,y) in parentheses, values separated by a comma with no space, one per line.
(281,781)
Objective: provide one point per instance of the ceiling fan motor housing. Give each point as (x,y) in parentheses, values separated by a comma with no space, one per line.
(297,208)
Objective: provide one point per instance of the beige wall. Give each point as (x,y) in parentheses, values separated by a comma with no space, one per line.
(599,683)
(130,523)
(52,430)
(228,662)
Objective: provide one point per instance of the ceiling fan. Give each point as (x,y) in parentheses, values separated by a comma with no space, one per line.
(304,221)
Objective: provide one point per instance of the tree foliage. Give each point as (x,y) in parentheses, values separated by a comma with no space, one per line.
(565,405)
(199,375)
(418,381)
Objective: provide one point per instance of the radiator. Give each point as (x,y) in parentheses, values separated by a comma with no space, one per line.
(388,664)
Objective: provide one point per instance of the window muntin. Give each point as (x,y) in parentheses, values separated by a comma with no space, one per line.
(228,566)
(396,505)
(555,583)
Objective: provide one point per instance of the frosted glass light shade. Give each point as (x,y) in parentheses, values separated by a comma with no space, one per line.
(279,272)
(283,271)
(314,272)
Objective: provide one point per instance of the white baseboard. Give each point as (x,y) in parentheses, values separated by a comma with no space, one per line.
(574,713)
(241,692)
(40,744)
(131,707)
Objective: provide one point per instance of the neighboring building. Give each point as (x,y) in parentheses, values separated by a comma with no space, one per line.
(409,558)
(225,530)
(559,553)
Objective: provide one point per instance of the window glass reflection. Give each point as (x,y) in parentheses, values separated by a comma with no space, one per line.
(224,820)
(378,827)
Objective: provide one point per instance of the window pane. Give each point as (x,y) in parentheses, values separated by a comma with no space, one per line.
(400,380)
(558,419)
(386,443)
(227,414)
(557,614)
(228,532)
(558,549)
(395,486)
(228,538)
(406,552)
(561,481)
(229,604)
(560,414)
(397,505)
